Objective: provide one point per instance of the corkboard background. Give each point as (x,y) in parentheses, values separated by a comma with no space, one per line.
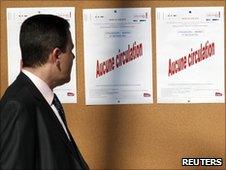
(154,136)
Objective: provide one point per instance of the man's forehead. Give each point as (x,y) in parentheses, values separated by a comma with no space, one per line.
(70,42)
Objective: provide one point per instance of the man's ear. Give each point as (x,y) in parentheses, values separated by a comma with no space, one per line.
(56,55)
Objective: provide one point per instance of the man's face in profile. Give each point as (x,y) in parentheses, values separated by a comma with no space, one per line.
(66,62)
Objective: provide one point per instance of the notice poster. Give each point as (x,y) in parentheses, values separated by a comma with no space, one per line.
(190,55)
(15,16)
(118,56)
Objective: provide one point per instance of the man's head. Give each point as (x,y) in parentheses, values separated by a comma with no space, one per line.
(39,35)
(46,39)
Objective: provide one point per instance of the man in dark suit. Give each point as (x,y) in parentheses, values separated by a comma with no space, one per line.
(33,130)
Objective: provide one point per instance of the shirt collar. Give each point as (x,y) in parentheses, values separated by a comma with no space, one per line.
(41,85)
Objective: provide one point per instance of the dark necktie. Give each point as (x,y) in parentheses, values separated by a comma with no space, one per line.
(59,107)
(56,102)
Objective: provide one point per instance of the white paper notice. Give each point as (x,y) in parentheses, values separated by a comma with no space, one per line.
(15,16)
(190,55)
(118,61)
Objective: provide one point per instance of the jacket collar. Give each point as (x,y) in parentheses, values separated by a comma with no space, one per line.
(46,109)
(35,92)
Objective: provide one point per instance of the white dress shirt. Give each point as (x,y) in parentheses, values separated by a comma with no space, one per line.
(47,94)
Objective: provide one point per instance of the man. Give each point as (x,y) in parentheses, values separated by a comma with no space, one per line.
(33,130)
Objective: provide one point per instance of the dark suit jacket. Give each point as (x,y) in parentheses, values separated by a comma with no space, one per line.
(31,137)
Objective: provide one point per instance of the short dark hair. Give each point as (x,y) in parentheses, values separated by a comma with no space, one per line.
(39,35)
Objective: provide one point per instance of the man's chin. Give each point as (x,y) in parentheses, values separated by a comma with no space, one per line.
(64,81)
(68,79)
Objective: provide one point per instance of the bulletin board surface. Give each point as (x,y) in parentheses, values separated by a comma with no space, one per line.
(150,136)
